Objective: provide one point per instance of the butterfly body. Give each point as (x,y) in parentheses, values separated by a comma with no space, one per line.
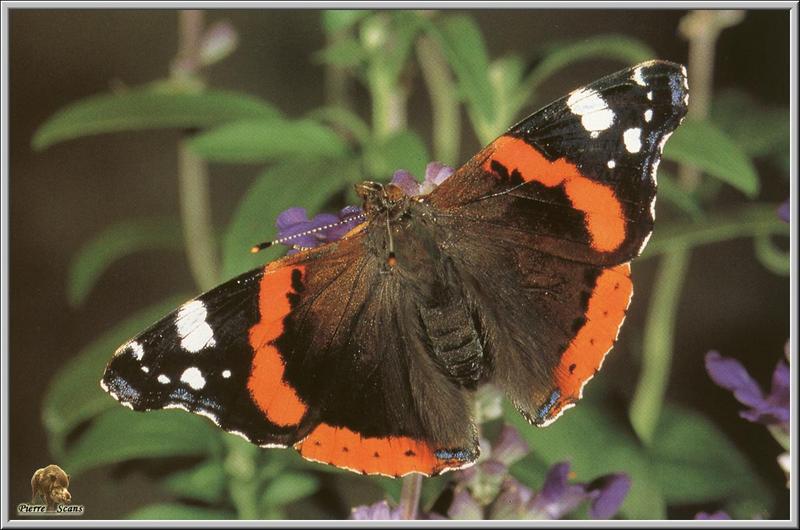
(365,352)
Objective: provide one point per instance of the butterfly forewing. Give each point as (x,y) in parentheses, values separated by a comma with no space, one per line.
(577,179)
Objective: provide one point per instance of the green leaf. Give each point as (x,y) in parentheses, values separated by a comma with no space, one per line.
(757,129)
(510,94)
(289,487)
(176,511)
(669,191)
(268,140)
(624,49)
(704,146)
(694,462)
(530,470)
(659,335)
(432,488)
(345,119)
(116,242)
(391,487)
(337,20)
(308,184)
(144,108)
(463,45)
(75,395)
(204,482)
(344,53)
(596,443)
(120,434)
(402,150)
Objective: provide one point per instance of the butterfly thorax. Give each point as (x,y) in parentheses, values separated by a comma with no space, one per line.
(382,199)
(404,238)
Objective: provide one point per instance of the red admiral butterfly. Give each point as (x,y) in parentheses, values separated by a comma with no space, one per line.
(363,353)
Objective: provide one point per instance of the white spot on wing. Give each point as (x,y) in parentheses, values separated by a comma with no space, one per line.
(194,331)
(638,78)
(145,369)
(193,377)
(592,108)
(648,115)
(650,95)
(103,385)
(226,373)
(611,164)
(136,349)
(163,379)
(633,139)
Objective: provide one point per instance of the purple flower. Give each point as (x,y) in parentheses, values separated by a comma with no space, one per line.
(719,515)
(378,511)
(512,503)
(323,228)
(558,497)
(771,409)
(783,211)
(485,479)
(464,506)
(509,446)
(607,494)
(435,174)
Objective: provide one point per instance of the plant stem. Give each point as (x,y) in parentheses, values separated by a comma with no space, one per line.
(389,113)
(195,204)
(702,29)
(442,90)
(409,496)
(751,221)
(243,484)
(659,331)
(193,182)
(338,80)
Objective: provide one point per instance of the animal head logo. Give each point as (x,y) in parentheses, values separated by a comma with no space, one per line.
(51,484)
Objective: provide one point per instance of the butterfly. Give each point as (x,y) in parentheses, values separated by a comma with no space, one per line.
(365,352)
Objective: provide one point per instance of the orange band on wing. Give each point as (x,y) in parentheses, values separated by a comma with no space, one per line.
(392,456)
(600,206)
(605,313)
(276,399)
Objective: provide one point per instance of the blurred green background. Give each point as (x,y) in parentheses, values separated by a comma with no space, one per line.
(65,195)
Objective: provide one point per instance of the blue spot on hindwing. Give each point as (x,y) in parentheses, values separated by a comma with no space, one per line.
(544,411)
(454,454)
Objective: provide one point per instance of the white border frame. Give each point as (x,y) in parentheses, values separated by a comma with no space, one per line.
(792,6)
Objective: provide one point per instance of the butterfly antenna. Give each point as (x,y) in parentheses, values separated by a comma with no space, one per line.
(267,244)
